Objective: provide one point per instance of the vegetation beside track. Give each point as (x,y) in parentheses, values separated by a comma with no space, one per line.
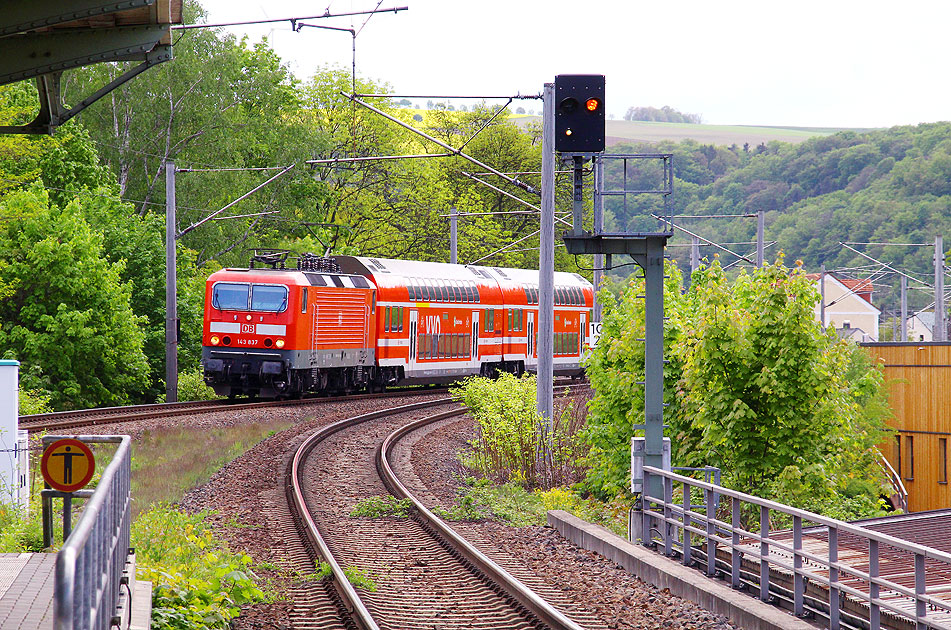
(197,582)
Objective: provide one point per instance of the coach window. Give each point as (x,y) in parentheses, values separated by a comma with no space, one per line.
(399,322)
(303,300)
(386,320)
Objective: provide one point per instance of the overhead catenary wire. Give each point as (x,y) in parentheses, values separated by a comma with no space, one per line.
(292,20)
(453,150)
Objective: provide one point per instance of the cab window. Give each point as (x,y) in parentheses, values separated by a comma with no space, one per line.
(230,296)
(270,298)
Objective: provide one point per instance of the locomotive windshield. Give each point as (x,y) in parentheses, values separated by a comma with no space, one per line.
(234,296)
(229,296)
(268,298)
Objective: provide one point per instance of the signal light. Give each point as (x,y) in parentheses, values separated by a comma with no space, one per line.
(279,343)
(579,114)
(215,340)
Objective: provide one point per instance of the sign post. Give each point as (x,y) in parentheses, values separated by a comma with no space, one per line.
(67,466)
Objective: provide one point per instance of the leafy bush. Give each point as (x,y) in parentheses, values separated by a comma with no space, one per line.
(34,401)
(506,445)
(198,583)
(191,386)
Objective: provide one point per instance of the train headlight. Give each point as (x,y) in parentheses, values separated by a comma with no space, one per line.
(279,343)
(215,340)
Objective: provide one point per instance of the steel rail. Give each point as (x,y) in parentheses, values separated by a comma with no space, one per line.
(518,591)
(110,415)
(295,496)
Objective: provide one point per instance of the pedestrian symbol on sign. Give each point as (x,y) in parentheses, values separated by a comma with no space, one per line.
(67,465)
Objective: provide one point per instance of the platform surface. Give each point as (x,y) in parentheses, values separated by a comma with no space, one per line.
(26,591)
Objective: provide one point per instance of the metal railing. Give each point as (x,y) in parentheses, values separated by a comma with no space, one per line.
(90,564)
(840,572)
(901,493)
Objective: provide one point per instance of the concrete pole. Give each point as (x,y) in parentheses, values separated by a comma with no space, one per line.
(904,308)
(940,327)
(822,297)
(171,302)
(453,243)
(694,254)
(598,229)
(760,237)
(546,273)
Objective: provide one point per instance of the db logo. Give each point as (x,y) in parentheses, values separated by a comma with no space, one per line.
(247,329)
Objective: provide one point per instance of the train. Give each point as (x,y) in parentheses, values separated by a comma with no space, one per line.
(341,324)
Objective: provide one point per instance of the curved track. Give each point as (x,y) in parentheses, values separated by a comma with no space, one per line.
(427,575)
(113,415)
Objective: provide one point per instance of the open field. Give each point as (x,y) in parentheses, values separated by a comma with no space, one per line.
(628,131)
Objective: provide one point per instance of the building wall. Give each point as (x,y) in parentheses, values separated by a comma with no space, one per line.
(918,378)
(917,331)
(844,307)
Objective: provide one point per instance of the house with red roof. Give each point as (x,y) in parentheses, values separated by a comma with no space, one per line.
(848,307)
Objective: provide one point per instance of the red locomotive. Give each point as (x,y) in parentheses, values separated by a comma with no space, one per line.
(346,323)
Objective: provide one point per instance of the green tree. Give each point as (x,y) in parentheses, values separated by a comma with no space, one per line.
(65,309)
(753,386)
(773,400)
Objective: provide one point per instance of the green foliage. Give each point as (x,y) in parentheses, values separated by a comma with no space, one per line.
(782,407)
(34,401)
(615,369)
(754,387)
(358,578)
(507,422)
(513,504)
(21,531)
(506,444)
(68,311)
(191,386)
(197,582)
(376,507)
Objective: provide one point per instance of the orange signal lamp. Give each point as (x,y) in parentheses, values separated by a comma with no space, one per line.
(592,104)
(279,343)
(567,132)
(215,340)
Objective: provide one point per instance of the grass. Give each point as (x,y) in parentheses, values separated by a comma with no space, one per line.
(167,463)
(513,504)
(376,507)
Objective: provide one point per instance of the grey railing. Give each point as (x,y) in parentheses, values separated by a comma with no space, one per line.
(843,573)
(90,564)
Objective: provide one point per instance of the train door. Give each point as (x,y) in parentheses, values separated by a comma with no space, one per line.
(530,340)
(582,330)
(413,340)
(474,350)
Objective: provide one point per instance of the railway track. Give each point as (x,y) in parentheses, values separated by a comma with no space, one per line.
(427,575)
(62,420)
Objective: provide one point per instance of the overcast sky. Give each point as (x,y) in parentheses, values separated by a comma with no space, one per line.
(828,63)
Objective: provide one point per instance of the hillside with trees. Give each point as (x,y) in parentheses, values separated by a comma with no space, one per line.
(883,186)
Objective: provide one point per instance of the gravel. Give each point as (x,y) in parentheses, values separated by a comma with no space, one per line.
(246,494)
